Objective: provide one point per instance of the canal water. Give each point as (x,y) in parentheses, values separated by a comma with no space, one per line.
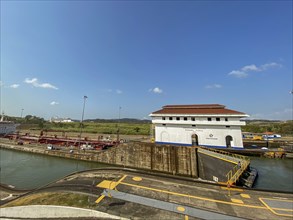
(28,170)
(273,174)
(25,170)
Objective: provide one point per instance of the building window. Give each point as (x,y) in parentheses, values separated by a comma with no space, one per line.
(170,118)
(177,118)
(209,119)
(192,118)
(217,119)
(164,118)
(185,118)
(164,124)
(193,125)
(226,119)
(227,126)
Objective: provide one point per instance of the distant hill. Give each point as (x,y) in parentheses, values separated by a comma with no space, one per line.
(261,121)
(122,120)
(261,126)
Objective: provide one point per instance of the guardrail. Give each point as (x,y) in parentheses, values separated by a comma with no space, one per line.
(234,174)
(236,156)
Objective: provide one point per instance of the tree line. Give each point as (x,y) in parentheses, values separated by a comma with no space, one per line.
(134,126)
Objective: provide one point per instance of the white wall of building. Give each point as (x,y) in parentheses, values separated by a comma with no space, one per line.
(211,136)
(210,133)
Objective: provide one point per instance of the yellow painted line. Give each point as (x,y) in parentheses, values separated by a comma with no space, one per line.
(268,207)
(122,178)
(222,183)
(237,201)
(286,210)
(272,209)
(108,183)
(231,161)
(232,189)
(246,196)
(191,196)
(279,199)
(100,199)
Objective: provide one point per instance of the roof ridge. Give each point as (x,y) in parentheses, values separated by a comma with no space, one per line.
(202,109)
(195,106)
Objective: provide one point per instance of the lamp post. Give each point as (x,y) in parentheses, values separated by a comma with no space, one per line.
(118,129)
(84,99)
(81,125)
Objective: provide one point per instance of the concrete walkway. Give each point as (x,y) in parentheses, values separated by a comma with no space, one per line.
(172,207)
(50,211)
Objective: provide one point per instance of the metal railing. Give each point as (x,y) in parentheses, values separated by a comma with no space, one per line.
(234,174)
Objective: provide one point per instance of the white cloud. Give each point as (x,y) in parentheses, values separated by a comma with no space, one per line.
(250,68)
(117,91)
(14,86)
(238,74)
(54,103)
(269,65)
(156,90)
(214,86)
(243,72)
(34,82)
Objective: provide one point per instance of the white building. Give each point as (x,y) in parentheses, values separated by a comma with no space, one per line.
(60,120)
(210,125)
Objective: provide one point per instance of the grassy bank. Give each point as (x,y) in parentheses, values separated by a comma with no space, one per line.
(91,127)
(60,198)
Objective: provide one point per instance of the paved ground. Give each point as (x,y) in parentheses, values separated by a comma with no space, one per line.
(136,195)
(40,211)
(233,202)
(8,192)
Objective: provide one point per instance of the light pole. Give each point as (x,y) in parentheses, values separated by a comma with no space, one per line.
(118,129)
(81,125)
(21,112)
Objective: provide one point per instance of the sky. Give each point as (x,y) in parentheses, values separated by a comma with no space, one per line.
(130,58)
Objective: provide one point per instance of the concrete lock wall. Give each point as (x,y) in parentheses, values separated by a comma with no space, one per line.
(176,160)
(163,158)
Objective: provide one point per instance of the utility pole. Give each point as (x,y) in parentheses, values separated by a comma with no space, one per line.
(81,122)
(118,127)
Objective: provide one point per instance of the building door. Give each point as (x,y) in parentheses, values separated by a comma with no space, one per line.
(194,139)
(229,139)
(164,137)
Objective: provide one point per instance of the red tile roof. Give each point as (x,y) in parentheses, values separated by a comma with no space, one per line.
(197,110)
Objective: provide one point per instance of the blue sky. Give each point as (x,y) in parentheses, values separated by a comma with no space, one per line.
(141,55)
